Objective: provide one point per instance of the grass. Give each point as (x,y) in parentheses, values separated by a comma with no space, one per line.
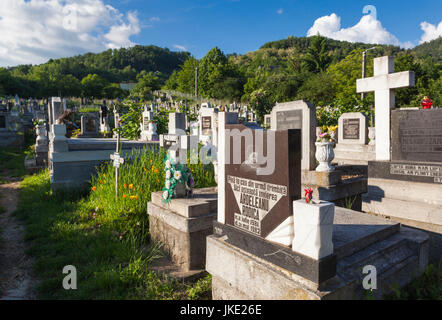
(426,287)
(106,239)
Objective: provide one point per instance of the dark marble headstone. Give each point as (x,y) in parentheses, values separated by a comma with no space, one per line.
(290,119)
(411,171)
(2,122)
(416,135)
(91,125)
(351,128)
(258,204)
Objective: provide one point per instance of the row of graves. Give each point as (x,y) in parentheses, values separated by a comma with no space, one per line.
(72,161)
(271,228)
(16,118)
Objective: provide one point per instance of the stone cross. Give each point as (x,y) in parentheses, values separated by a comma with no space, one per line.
(383,84)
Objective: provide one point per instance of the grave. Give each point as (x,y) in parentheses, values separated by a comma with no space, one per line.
(72,162)
(148,127)
(11,130)
(208,119)
(298,115)
(335,186)
(182,223)
(90,125)
(352,147)
(408,188)
(249,255)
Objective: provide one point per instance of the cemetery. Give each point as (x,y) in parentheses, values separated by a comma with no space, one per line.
(278,174)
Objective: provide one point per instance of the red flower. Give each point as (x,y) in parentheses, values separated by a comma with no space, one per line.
(308,195)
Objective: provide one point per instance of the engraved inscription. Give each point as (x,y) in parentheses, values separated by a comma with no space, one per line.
(421,133)
(351,129)
(417,170)
(206,123)
(291,119)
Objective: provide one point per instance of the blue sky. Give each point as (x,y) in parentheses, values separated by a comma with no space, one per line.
(245,25)
(34,31)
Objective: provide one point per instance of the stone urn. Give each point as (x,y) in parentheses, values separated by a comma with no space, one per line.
(372,136)
(313,227)
(325,155)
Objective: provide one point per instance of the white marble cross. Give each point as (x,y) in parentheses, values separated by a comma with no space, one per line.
(383,84)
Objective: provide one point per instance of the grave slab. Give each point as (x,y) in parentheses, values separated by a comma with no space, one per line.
(273,272)
(183,225)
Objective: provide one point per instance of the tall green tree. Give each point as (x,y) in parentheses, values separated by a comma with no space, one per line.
(317,58)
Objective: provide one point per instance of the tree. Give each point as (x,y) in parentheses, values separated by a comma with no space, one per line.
(318,89)
(317,58)
(148,82)
(93,86)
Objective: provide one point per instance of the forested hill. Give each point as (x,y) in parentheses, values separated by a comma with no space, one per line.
(431,49)
(337,49)
(66,76)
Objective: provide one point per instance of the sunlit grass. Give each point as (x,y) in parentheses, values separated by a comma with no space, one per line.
(105,237)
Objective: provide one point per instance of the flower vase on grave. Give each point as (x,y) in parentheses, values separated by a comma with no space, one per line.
(313,227)
(325,155)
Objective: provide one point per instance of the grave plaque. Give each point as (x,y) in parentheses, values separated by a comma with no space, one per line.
(206,123)
(417,135)
(2,122)
(146,123)
(351,128)
(91,125)
(290,119)
(258,204)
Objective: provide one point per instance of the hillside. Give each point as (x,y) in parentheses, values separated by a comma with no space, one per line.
(431,49)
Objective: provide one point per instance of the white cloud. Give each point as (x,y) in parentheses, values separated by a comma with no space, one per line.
(38,30)
(154,19)
(280,11)
(431,31)
(367,30)
(182,48)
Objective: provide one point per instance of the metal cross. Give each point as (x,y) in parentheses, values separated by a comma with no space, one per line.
(118,160)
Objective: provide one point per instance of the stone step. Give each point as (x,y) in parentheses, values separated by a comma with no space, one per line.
(384,255)
(417,211)
(353,231)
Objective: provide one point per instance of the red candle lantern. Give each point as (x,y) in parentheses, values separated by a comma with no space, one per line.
(426,103)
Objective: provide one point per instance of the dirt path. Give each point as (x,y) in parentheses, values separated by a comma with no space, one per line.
(16,280)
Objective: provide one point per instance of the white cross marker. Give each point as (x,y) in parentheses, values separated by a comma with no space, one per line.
(383,83)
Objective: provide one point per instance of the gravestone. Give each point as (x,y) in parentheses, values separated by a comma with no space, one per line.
(353,128)
(262,204)
(89,126)
(268,121)
(208,119)
(104,120)
(249,257)
(148,126)
(298,115)
(56,110)
(383,84)
(416,135)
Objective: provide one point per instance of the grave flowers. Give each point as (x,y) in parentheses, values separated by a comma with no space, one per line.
(324,152)
(179,181)
(313,226)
